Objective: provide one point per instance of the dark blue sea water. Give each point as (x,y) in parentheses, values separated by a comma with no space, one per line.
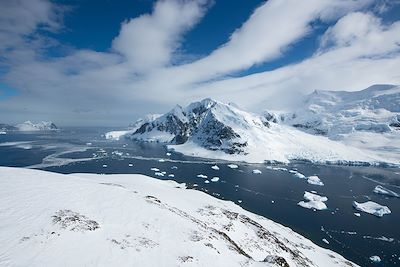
(273,194)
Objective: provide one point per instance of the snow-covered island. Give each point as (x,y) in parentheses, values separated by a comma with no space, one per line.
(330,127)
(48,219)
(29,126)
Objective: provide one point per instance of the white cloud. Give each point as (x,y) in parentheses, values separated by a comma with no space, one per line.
(148,41)
(137,75)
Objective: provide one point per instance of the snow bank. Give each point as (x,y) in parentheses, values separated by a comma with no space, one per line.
(372,208)
(50,219)
(313,201)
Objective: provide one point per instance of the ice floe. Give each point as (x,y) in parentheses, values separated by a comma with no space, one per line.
(202,176)
(256,171)
(155,169)
(384,191)
(372,208)
(215,167)
(215,179)
(159,174)
(313,201)
(233,166)
(375,259)
(314,180)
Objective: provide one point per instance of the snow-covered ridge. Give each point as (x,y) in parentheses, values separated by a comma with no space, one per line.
(29,126)
(50,219)
(334,113)
(212,129)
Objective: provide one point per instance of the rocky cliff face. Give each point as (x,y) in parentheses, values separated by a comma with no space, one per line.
(208,123)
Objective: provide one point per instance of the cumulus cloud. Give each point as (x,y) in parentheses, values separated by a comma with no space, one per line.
(140,72)
(148,41)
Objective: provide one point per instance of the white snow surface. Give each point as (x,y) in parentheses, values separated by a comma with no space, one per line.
(313,201)
(372,208)
(50,219)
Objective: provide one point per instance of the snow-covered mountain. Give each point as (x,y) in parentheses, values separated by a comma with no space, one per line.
(334,113)
(29,126)
(50,219)
(212,129)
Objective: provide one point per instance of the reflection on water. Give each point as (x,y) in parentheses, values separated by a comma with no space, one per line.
(273,193)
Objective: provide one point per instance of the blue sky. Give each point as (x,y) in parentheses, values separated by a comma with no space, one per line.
(110,62)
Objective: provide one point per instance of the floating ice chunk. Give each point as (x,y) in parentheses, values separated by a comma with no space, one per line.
(159,174)
(297,174)
(164,173)
(313,201)
(357,214)
(117,153)
(279,169)
(207,181)
(174,168)
(161,160)
(372,208)
(130,165)
(215,179)
(325,241)
(2,132)
(168,154)
(155,169)
(171,175)
(375,259)
(215,167)
(240,201)
(314,179)
(384,191)
(272,201)
(257,171)
(202,176)
(104,165)
(233,166)
(89,144)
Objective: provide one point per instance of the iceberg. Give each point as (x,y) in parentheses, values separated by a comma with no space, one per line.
(372,208)
(233,166)
(215,167)
(314,180)
(313,201)
(215,179)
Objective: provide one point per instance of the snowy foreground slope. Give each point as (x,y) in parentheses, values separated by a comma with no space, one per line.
(212,129)
(50,219)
